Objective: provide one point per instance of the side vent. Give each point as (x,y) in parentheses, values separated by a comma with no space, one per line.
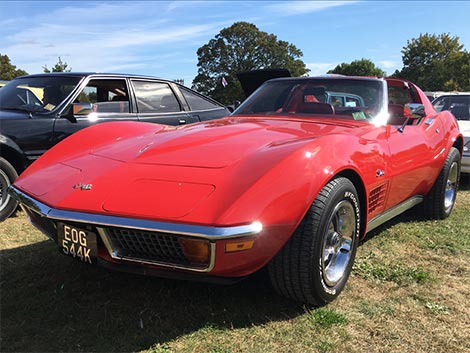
(377,198)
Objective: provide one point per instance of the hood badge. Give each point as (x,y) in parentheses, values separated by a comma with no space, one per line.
(81,186)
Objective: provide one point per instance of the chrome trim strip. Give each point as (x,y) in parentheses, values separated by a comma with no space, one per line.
(393,212)
(206,232)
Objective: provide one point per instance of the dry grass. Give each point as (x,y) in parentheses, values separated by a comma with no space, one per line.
(409,292)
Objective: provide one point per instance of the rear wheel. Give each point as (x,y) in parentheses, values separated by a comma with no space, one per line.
(7,177)
(315,263)
(441,199)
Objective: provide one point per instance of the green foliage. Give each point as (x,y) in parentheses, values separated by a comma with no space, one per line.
(241,47)
(60,66)
(363,67)
(325,318)
(436,63)
(7,70)
(160,348)
(397,273)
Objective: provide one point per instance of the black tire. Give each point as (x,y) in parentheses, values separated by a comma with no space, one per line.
(440,201)
(7,177)
(303,269)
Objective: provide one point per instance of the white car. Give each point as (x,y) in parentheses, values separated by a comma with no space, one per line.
(465,129)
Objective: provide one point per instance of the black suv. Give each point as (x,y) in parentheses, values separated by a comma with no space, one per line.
(38,111)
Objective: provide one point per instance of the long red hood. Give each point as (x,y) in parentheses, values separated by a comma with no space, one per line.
(214,144)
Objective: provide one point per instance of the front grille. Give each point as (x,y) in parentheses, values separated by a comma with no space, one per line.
(146,245)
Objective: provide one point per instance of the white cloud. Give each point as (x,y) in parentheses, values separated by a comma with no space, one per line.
(317,69)
(389,66)
(101,37)
(289,8)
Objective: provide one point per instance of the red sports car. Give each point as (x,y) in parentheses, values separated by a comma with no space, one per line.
(301,171)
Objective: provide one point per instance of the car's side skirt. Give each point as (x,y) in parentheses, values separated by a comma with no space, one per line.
(393,212)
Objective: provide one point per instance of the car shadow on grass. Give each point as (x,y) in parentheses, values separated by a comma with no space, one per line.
(50,302)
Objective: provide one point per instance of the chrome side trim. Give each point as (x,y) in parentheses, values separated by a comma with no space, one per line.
(116,256)
(206,232)
(393,212)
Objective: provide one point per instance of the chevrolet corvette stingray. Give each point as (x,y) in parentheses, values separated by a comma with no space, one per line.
(289,181)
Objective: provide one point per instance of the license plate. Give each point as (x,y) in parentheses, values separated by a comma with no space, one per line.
(78,243)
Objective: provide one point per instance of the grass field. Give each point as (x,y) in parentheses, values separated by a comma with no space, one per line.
(409,292)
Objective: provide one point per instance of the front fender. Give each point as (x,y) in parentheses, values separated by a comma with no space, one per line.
(10,150)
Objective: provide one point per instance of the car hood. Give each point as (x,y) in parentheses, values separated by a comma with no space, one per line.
(169,173)
(216,144)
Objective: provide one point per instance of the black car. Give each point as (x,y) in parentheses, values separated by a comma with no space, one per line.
(458,104)
(38,111)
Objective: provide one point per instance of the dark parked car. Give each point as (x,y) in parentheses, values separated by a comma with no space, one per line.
(37,111)
(459,105)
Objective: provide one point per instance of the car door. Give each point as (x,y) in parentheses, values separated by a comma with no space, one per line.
(157,103)
(414,145)
(109,100)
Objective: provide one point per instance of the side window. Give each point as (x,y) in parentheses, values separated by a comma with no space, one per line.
(460,107)
(107,96)
(353,102)
(399,95)
(337,101)
(155,97)
(197,102)
(441,104)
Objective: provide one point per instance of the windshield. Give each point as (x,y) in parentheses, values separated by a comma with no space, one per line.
(37,94)
(359,99)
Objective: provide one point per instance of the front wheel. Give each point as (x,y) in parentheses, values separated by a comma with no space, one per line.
(7,177)
(441,199)
(315,263)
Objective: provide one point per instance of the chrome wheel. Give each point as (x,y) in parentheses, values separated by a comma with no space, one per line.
(338,243)
(4,184)
(314,265)
(451,186)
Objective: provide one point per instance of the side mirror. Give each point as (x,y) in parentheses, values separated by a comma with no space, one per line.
(414,111)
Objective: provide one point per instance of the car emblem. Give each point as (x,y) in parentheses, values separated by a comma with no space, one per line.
(83,186)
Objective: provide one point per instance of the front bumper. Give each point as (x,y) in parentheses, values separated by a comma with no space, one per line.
(148,244)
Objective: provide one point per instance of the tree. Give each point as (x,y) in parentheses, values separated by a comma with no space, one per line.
(241,47)
(436,63)
(60,66)
(7,70)
(363,67)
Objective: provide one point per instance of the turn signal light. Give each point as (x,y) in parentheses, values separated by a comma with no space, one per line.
(239,245)
(197,251)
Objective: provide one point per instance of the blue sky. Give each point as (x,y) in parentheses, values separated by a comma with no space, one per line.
(161,38)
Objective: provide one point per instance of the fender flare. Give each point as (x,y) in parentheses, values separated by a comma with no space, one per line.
(10,150)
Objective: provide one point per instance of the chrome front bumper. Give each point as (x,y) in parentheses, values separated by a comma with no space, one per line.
(45,218)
